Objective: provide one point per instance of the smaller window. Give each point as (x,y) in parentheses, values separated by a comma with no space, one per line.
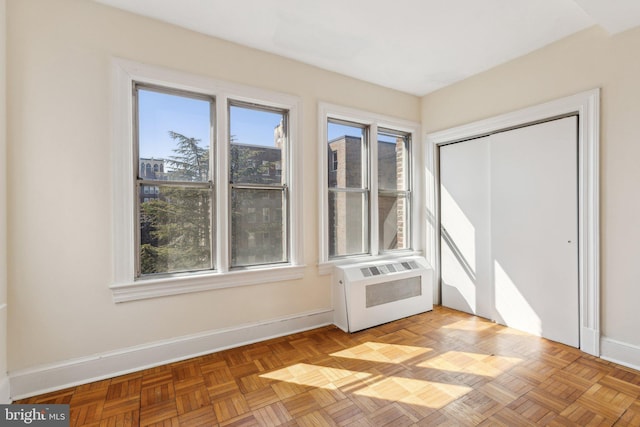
(394,194)
(367,175)
(348,185)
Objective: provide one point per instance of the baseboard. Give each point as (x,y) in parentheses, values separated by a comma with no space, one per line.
(44,379)
(619,352)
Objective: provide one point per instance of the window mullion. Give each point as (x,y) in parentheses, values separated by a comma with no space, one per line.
(223,219)
(213,182)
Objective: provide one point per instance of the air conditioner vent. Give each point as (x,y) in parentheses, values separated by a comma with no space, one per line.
(378,270)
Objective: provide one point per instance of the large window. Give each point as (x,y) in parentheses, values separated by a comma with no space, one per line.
(176,230)
(207,184)
(368,206)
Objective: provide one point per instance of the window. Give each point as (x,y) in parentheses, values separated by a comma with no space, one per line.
(368,185)
(175,230)
(253,150)
(185,217)
(348,198)
(393,190)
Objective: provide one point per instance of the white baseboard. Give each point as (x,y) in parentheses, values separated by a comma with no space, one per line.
(621,353)
(44,379)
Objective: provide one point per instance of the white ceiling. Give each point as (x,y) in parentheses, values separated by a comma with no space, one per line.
(415,46)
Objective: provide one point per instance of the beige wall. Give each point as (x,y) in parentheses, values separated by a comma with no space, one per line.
(59,193)
(583,61)
(3,199)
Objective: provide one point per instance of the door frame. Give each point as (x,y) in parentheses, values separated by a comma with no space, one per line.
(586,105)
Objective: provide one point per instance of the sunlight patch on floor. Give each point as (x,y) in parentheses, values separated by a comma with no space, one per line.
(381,352)
(316,376)
(470,325)
(471,363)
(396,389)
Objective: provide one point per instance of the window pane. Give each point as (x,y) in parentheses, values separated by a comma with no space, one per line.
(173,136)
(392,226)
(175,230)
(257,145)
(345,157)
(258,234)
(392,161)
(348,222)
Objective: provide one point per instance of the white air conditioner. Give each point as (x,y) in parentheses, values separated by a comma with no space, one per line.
(373,293)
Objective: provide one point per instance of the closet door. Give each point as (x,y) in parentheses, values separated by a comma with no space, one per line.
(534,226)
(509,223)
(465,245)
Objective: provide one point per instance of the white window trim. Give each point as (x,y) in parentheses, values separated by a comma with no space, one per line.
(374,121)
(124,286)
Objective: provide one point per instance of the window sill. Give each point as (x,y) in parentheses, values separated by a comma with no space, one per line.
(326,267)
(153,288)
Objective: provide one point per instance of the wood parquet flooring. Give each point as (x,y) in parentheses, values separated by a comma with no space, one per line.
(442,368)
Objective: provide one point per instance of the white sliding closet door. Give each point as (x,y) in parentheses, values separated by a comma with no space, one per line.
(465,245)
(534,226)
(529,241)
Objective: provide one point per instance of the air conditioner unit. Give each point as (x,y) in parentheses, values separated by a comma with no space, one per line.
(373,293)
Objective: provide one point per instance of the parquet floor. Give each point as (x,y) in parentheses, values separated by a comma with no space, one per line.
(442,368)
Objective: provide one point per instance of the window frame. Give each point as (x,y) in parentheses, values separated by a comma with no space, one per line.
(283,187)
(364,189)
(125,286)
(373,121)
(148,183)
(407,193)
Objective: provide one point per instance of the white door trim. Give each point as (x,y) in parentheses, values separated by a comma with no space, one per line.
(587,106)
